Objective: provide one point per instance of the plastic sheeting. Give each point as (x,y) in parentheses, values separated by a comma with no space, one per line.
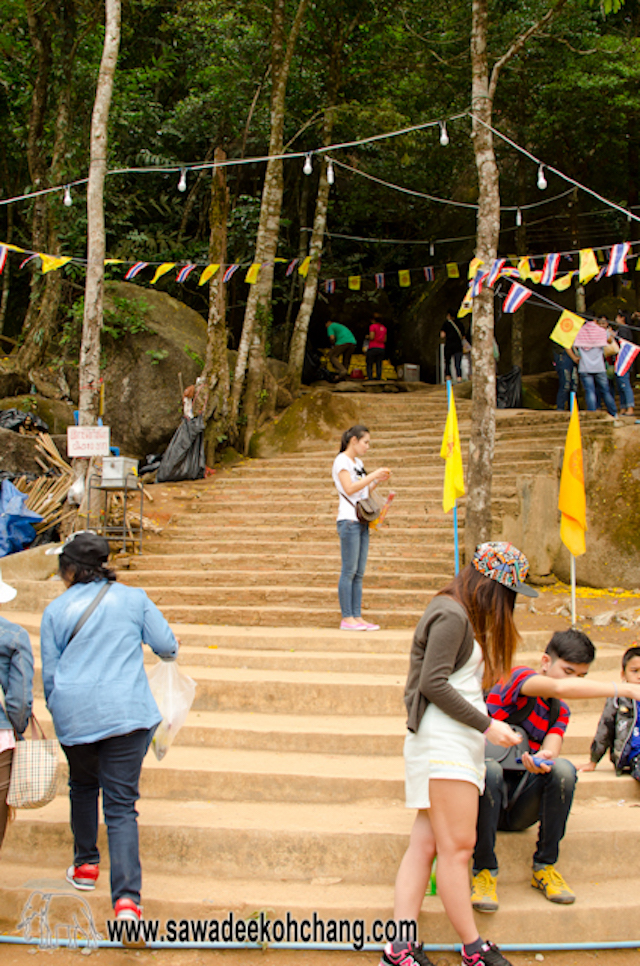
(14,419)
(184,456)
(509,389)
(16,530)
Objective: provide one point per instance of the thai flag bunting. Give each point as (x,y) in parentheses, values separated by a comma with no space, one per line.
(600,273)
(550,269)
(330,286)
(618,259)
(496,271)
(184,273)
(291,266)
(133,271)
(28,259)
(510,272)
(3,257)
(518,295)
(476,285)
(229,272)
(429,274)
(379,279)
(624,360)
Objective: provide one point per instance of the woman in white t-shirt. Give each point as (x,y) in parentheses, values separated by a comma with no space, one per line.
(353,483)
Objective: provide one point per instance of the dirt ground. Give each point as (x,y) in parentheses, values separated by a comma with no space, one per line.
(31,956)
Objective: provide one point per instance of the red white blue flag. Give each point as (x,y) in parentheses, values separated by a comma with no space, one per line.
(478,281)
(624,360)
(379,276)
(496,271)
(550,269)
(291,266)
(518,295)
(229,272)
(3,257)
(429,273)
(28,259)
(330,286)
(184,273)
(618,259)
(134,270)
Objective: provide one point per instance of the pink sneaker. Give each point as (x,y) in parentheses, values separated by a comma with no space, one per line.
(371,627)
(352,627)
(84,876)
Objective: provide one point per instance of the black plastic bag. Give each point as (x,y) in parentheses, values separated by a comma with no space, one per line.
(509,389)
(184,456)
(15,418)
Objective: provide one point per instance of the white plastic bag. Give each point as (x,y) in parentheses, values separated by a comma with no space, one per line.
(174,692)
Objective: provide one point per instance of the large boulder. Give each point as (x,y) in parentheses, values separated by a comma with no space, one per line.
(17,453)
(317,415)
(56,413)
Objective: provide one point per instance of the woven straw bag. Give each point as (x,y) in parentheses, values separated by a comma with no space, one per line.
(34,770)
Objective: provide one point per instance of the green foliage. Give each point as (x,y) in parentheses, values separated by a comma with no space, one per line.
(194,355)
(157,355)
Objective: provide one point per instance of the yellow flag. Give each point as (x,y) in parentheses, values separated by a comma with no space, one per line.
(536,277)
(162,270)
(589,267)
(404,278)
(452,270)
(563,283)
(51,262)
(566,329)
(252,275)
(524,267)
(474,265)
(467,304)
(572,502)
(303,267)
(208,273)
(13,248)
(452,454)
(354,283)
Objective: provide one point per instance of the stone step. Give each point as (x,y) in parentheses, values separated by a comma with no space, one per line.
(247,578)
(253,561)
(267,472)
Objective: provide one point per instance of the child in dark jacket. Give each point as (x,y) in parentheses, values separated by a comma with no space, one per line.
(619,728)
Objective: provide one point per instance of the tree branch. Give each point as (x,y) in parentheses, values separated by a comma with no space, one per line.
(519,43)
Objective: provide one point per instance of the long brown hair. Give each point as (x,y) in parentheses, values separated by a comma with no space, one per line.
(489,606)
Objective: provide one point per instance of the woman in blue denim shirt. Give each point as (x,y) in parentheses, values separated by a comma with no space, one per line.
(353,483)
(16,681)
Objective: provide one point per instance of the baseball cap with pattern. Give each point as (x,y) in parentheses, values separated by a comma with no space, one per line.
(506,564)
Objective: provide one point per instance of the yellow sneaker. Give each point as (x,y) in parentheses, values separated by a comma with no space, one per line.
(484,897)
(552,885)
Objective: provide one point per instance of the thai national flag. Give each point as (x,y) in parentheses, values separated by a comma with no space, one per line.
(476,285)
(134,270)
(429,273)
(496,271)
(184,273)
(28,259)
(3,257)
(379,277)
(229,272)
(618,259)
(291,266)
(551,264)
(624,360)
(518,295)
(330,286)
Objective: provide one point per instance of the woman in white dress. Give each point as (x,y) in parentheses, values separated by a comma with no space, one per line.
(465,641)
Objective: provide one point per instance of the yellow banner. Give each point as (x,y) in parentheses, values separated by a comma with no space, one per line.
(51,262)
(589,267)
(467,304)
(252,275)
(404,278)
(566,329)
(474,265)
(452,270)
(208,273)
(450,452)
(572,501)
(563,283)
(354,283)
(524,267)
(162,270)
(303,267)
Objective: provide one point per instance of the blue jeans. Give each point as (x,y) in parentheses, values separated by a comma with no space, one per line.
(354,547)
(114,765)
(625,392)
(545,798)
(567,371)
(593,381)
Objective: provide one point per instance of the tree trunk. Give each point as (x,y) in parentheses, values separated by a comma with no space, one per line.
(482,441)
(215,374)
(89,372)
(259,301)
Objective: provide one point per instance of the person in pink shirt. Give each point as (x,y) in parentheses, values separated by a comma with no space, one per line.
(377,345)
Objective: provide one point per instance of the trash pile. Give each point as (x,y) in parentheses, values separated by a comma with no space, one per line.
(47,494)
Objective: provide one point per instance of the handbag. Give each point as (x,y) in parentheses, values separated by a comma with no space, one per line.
(34,770)
(367,510)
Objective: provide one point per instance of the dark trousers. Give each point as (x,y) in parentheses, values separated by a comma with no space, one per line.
(449,354)
(375,356)
(545,798)
(344,351)
(113,765)
(6,757)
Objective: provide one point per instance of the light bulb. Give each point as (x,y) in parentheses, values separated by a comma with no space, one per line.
(330,175)
(182,183)
(67,200)
(444,137)
(518,217)
(432,248)
(542,181)
(308,166)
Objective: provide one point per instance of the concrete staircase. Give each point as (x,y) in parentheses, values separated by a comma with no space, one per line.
(284,790)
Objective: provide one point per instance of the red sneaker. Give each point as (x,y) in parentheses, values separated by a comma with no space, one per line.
(83,876)
(128,911)
(126,908)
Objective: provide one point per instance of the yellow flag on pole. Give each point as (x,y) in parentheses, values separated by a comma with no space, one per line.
(452,454)
(566,329)
(572,501)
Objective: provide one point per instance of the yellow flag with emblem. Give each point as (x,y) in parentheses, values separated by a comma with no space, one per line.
(566,329)
(572,501)
(452,454)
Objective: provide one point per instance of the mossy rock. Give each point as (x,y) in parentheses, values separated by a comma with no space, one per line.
(318,415)
(56,413)
(531,399)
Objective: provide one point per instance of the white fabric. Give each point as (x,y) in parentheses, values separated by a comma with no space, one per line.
(443,747)
(346,509)
(7,740)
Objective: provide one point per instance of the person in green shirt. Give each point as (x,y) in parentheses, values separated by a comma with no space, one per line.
(342,345)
